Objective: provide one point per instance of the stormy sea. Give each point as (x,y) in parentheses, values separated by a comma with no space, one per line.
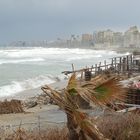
(26,68)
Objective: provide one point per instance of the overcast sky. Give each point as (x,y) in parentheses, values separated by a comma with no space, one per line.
(49,19)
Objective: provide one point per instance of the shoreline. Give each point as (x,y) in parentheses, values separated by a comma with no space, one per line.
(100,47)
(26,94)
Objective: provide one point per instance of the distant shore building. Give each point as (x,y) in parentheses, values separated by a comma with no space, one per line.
(74,41)
(104,37)
(42,43)
(98,37)
(87,39)
(132,37)
(108,37)
(118,38)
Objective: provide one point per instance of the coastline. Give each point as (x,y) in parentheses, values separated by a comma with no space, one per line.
(24,95)
(100,47)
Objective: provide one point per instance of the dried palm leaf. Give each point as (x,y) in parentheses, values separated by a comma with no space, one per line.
(103,91)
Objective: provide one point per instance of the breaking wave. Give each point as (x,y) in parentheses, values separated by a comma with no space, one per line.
(44,52)
(17,61)
(83,57)
(24,55)
(53,60)
(19,86)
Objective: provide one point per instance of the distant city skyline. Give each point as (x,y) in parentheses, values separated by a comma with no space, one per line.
(49,19)
(101,38)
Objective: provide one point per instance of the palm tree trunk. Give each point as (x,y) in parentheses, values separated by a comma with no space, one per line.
(73,135)
(73,130)
(76,133)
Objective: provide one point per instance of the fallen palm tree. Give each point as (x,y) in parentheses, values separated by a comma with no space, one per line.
(101,90)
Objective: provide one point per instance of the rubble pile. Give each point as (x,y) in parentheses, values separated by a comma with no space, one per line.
(42,99)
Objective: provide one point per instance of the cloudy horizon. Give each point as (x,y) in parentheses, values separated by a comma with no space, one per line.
(50,19)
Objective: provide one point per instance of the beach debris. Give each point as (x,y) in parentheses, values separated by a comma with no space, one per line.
(133,95)
(137,85)
(127,109)
(41,99)
(30,104)
(13,106)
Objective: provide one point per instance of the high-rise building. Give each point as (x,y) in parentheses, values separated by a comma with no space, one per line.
(87,39)
(132,37)
(118,38)
(104,37)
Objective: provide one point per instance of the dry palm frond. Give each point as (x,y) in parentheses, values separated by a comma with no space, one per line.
(101,90)
(72,85)
(109,92)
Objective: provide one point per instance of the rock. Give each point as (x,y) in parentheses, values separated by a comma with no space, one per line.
(30,104)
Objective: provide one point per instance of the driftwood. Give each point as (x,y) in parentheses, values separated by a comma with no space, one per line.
(128,109)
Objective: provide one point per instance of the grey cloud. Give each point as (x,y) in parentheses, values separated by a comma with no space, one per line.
(47,19)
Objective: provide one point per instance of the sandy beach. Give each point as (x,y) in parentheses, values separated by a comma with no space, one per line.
(46,115)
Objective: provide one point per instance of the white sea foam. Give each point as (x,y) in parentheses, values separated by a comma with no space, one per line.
(16,61)
(42,54)
(18,86)
(83,57)
(45,52)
